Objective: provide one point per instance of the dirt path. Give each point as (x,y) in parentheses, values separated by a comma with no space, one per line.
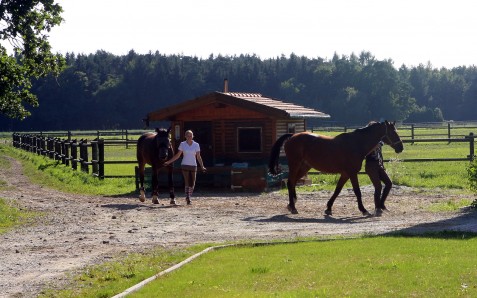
(82,230)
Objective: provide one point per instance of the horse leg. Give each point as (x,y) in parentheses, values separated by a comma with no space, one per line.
(291,186)
(142,192)
(155,186)
(293,177)
(338,188)
(357,192)
(171,186)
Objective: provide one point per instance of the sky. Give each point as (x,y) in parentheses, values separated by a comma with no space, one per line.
(409,32)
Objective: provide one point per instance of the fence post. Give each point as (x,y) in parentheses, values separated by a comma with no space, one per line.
(51,148)
(101,158)
(84,155)
(64,153)
(448,130)
(412,133)
(127,139)
(471,146)
(67,152)
(44,150)
(38,144)
(94,157)
(74,155)
(57,148)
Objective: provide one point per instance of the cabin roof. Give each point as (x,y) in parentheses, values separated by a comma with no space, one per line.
(251,101)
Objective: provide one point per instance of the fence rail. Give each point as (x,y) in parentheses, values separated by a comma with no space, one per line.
(414,130)
(85,154)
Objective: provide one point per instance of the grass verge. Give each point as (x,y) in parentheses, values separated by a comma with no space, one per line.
(13,216)
(440,265)
(51,173)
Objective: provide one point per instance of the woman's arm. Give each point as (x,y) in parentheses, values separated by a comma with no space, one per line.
(174,158)
(201,163)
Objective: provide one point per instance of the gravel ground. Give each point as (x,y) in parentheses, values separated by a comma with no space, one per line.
(84,230)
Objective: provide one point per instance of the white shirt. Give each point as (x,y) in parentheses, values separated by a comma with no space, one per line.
(189,153)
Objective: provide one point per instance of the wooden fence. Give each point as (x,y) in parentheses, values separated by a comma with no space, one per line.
(74,153)
(85,154)
(414,131)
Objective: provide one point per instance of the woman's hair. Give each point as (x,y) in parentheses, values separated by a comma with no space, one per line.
(189,131)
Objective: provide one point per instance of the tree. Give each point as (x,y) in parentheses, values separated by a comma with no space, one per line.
(24,25)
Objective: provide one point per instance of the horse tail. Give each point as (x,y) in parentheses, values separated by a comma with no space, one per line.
(275,153)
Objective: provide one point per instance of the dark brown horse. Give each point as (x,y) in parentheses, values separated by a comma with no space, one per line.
(342,154)
(154,148)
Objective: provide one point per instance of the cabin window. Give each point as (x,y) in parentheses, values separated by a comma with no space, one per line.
(249,139)
(291,128)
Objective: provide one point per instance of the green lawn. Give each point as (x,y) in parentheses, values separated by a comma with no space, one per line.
(366,267)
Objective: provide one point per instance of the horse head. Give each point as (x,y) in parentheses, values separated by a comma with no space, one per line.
(392,138)
(163,143)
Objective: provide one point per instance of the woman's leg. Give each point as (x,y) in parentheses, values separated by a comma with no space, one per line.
(189,174)
(383,176)
(372,169)
(192,176)
(186,174)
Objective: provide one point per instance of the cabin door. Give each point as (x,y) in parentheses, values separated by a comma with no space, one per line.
(203,135)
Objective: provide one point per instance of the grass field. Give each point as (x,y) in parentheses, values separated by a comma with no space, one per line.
(428,266)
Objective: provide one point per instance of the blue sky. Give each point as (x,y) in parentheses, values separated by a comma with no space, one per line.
(407,31)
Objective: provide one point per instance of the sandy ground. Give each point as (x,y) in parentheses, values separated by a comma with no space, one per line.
(83,230)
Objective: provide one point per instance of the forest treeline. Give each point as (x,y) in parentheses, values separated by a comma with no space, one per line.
(106,91)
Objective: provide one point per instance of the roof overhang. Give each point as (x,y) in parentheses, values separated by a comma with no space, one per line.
(251,101)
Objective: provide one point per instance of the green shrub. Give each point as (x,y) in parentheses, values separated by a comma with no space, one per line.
(472,173)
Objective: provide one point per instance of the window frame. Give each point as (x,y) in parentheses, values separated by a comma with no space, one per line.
(260,131)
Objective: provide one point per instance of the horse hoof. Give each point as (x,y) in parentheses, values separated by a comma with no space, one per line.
(366,213)
(188,201)
(155,200)
(142,195)
(173,202)
(378,212)
(328,212)
(292,210)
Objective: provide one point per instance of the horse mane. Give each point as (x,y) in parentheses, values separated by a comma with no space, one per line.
(370,125)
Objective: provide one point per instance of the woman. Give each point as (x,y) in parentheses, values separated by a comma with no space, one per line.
(190,150)
(377,173)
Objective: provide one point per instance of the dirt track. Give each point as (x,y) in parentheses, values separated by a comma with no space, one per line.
(83,230)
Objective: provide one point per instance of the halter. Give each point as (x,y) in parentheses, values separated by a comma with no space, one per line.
(391,143)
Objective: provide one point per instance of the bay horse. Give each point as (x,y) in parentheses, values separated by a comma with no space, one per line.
(154,148)
(342,154)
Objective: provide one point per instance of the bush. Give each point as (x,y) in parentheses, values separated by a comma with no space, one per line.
(472,173)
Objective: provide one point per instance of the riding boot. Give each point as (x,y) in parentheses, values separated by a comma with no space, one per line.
(187,192)
(386,191)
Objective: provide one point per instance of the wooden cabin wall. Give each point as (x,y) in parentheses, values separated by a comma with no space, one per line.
(225,138)
(282,126)
(225,123)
